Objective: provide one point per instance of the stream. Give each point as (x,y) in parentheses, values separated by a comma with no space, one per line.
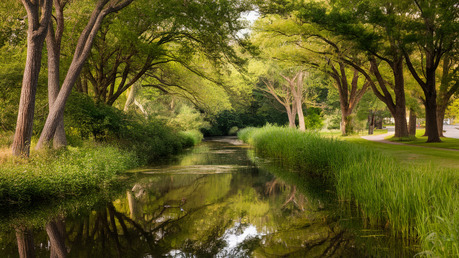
(216,200)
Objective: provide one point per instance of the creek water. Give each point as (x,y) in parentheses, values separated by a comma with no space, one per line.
(216,200)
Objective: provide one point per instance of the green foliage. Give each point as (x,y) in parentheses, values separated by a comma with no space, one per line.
(149,138)
(417,201)
(62,174)
(313,120)
(190,138)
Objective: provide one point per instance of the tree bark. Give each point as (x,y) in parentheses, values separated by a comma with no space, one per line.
(36,33)
(349,94)
(401,127)
(53,44)
(371,122)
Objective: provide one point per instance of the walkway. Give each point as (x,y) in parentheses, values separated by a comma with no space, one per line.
(451,131)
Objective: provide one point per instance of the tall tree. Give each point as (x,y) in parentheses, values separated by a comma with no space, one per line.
(433,28)
(53,45)
(283,94)
(82,51)
(38,15)
(167,31)
(297,90)
(370,29)
(295,40)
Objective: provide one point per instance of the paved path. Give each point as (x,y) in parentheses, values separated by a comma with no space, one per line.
(451,131)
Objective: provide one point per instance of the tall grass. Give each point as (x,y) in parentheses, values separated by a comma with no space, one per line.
(416,201)
(51,175)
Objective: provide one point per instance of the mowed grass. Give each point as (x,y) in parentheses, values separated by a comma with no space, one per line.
(442,155)
(417,199)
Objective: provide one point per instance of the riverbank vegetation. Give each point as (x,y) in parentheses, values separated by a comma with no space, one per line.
(416,201)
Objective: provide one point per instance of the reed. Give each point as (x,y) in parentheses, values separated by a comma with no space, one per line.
(419,202)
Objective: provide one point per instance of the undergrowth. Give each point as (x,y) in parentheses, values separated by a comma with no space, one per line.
(67,173)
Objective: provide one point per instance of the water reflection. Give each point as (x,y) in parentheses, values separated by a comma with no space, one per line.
(188,209)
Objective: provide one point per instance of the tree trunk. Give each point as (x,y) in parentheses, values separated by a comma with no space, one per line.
(36,34)
(301,123)
(291,113)
(441,110)
(431,118)
(53,46)
(25,243)
(23,134)
(346,126)
(82,52)
(401,127)
(412,123)
(371,122)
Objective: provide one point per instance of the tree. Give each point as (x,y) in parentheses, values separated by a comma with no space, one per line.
(165,32)
(297,90)
(303,44)
(433,28)
(38,15)
(369,29)
(82,51)
(284,96)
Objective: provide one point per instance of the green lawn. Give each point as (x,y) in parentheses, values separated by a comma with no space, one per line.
(422,153)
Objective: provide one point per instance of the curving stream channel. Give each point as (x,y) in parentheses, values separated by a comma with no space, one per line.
(217,200)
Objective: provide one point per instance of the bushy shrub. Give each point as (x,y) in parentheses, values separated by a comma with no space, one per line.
(150,138)
(191,138)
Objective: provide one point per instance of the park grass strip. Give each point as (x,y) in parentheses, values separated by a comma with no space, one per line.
(417,201)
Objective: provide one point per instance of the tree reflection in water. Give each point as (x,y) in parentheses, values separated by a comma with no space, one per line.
(189,210)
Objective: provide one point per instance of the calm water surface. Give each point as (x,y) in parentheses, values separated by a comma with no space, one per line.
(217,200)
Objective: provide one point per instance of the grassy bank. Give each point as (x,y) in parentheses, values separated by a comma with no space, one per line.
(416,201)
(76,171)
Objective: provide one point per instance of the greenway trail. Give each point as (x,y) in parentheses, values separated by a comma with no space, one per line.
(217,200)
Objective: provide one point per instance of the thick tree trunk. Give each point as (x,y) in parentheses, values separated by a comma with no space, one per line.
(291,113)
(23,134)
(401,127)
(346,126)
(412,123)
(25,243)
(379,122)
(431,118)
(36,33)
(82,52)
(441,110)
